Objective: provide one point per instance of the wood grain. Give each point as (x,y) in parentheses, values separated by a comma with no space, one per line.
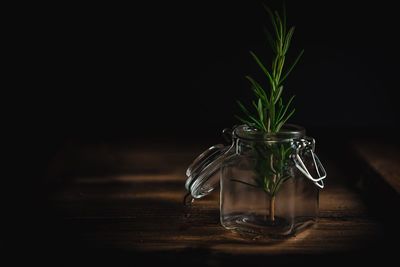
(383,158)
(129,198)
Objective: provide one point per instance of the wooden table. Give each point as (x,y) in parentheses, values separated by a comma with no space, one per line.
(126,200)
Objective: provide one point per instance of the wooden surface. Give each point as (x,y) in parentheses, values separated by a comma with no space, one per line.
(383,158)
(128,198)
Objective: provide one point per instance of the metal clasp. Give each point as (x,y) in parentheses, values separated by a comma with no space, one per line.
(308,144)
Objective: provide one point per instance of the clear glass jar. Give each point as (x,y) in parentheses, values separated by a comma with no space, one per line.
(267,184)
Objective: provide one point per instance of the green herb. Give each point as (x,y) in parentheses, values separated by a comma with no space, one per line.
(271,111)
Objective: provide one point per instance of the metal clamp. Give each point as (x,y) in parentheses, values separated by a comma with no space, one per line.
(308,144)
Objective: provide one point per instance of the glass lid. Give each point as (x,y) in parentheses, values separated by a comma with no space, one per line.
(202,174)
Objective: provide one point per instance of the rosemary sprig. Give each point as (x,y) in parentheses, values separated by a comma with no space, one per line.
(271,111)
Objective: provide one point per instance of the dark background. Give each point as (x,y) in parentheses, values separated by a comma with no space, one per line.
(172,70)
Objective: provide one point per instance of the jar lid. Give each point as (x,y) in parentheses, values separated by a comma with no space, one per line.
(202,174)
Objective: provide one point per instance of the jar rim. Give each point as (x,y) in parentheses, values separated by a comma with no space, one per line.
(287,132)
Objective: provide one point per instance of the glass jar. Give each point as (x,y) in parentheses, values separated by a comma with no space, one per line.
(267,184)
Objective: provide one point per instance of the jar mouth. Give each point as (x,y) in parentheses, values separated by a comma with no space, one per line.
(287,132)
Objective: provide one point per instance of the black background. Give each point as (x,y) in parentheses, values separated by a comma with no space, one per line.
(172,70)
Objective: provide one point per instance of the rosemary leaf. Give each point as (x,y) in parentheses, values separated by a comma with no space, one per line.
(292,67)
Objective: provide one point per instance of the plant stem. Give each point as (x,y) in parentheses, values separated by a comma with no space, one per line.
(271,112)
(272,208)
(272,199)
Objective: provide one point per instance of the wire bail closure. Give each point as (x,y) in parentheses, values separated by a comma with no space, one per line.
(307,144)
(202,177)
